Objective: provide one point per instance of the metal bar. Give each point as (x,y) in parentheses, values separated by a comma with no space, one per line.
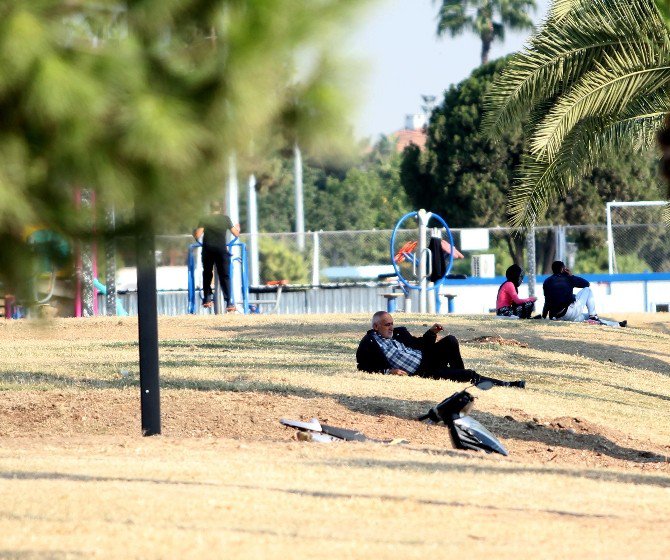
(423,282)
(316,250)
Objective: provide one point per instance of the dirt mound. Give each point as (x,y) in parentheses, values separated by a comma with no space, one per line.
(496,340)
(253,417)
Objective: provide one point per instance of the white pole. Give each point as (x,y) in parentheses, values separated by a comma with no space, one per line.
(252,220)
(423,281)
(316,250)
(233,212)
(110,264)
(560,243)
(610,239)
(432,292)
(299,211)
(232,207)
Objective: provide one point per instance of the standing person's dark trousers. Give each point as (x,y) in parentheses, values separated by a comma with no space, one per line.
(211,257)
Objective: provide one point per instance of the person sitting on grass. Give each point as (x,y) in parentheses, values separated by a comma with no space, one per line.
(394,351)
(562,305)
(508,302)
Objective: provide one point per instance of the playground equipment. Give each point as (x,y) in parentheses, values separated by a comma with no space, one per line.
(120,311)
(426,260)
(238,251)
(55,284)
(47,287)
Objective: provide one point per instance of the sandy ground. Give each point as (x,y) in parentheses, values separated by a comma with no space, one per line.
(587,475)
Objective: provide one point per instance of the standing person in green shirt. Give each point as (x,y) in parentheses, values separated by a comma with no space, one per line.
(215,232)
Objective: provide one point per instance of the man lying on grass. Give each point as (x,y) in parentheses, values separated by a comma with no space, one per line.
(395,351)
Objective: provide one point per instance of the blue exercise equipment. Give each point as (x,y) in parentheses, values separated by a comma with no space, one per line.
(242,259)
(405,284)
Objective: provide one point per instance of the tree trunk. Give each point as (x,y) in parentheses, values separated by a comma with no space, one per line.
(547,256)
(487,40)
(515,245)
(486,47)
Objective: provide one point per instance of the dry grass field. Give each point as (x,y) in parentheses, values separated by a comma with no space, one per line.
(588,475)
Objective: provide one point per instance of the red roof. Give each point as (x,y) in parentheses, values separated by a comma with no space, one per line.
(405,137)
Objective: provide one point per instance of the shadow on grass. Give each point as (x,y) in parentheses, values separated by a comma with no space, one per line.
(40,554)
(339,327)
(369,405)
(30,475)
(638,392)
(533,431)
(572,339)
(605,476)
(372,463)
(246,344)
(621,356)
(637,359)
(662,326)
(40,380)
(424,501)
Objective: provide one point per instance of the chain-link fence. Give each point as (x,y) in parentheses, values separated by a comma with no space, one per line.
(345,256)
(639,240)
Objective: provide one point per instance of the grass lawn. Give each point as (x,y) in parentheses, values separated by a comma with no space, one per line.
(588,475)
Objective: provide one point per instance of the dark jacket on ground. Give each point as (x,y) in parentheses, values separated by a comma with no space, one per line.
(370,358)
(558,293)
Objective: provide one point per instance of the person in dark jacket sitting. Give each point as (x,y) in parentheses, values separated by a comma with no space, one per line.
(561,304)
(395,351)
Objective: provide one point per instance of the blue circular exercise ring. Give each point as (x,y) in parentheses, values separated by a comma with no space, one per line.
(395,265)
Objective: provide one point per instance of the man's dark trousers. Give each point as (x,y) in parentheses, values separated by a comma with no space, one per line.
(211,257)
(443,360)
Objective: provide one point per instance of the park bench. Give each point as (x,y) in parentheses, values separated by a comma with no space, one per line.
(273,287)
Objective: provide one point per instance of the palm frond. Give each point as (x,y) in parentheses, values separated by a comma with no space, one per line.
(542,180)
(607,90)
(561,8)
(567,47)
(452,18)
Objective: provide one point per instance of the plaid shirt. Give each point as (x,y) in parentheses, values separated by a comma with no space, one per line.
(398,355)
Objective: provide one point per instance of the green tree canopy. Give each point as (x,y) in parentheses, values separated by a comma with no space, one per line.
(361,194)
(146,115)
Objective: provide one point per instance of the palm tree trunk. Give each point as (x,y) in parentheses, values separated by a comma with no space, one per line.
(487,40)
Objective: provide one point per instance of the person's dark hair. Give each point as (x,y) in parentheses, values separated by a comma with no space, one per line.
(216,207)
(557,267)
(515,275)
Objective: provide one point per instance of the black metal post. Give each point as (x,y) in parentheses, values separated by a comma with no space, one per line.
(148,332)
